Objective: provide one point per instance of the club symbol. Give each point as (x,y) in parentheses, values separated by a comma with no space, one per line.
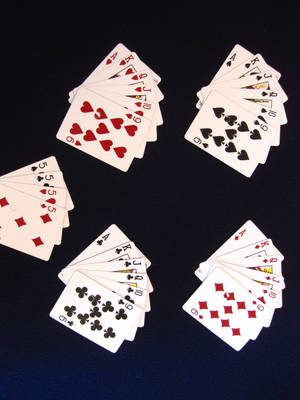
(121,314)
(99,242)
(118,251)
(129,290)
(107,307)
(81,292)
(94,299)
(109,333)
(128,298)
(83,318)
(127,263)
(71,323)
(95,325)
(120,301)
(95,312)
(129,277)
(70,310)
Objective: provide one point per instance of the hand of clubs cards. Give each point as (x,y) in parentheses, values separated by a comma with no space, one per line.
(115,111)
(107,291)
(34,205)
(240,112)
(241,287)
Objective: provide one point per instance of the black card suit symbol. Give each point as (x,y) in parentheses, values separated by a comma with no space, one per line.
(127,263)
(71,323)
(33,168)
(99,242)
(81,292)
(129,277)
(121,314)
(243,155)
(95,312)
(219,111)
(247,65)
(109,332)
(107,307)
(228,63)
(262,118)
(258,78)
(120,301)
(219,140)
(205,145)
(83,318)
(128,298)
(231,133)
(255,134)
(129,290)
(263,110)
(95,325)
(264,94)
(39,178)
(94,299)
(70,310)
(243,127)
(230,119)
(206,132)
(256,122)
(230,147)
(118,251)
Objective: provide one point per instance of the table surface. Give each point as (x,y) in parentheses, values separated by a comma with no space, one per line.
(178,204)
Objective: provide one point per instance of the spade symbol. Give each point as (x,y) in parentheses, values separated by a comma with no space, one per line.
(243,127)
(263,110)
(39,178)
(262,118)
(258,78)
(230,148)
(264,94)
(206,132)
(231,133)
(228,63)
(33,168)
(247,65)
(205,145)
(219,140)
(219,111)
(255,134)
(243,155)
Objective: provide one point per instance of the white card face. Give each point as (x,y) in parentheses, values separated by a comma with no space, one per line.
(95,312)
(110,238)
(103,129)
(232,313)
(226,131)
(47,164)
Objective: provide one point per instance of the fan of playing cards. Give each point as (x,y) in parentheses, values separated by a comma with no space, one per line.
(241,287)
(34,205)
(240,112)
(115,111)
(107,291)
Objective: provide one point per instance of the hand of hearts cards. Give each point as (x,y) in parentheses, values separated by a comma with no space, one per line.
(107,291)
(34,206)
(241,288)
(240,112)
(115,111)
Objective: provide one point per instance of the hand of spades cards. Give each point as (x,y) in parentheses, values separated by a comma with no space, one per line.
(115,112)
(240,112)
(241,287)
(107,290)
(34,206)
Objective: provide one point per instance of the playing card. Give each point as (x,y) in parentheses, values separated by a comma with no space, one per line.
(95,312)
(232,313)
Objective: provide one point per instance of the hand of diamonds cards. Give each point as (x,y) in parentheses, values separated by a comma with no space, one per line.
(241,288)
(34,206)
(107,291)
(115,111)
(240,112)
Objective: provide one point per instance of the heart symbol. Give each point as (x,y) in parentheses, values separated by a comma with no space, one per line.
(206,132)
(138,104)
(231,133)
(77,143)
(230,119)
(230,148)
(139,113)
(75,130)
(101,114)
(43,191)
(219,140)
(139,89)
(135,77)
(86,107)
(131,129)
(123,62)
(129,71)
(243,155)
(120,151)
(117,122)
(89,136)
(129,116)
(243,127)
(51,201)
(106,144)
(255,134)
(108,61)
(219,111)
(102,128)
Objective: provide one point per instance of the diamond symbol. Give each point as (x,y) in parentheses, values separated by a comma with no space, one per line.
(257,246)
(241,305)
(252,314)
(43,206)
(225,323)
(37,241)
(200,316)
(202,305)
(229,296)
(3,202)
(236,332)
(219,287)
(227,309)
(268,278)
(236,238)
(214,314)
(46,218)
(20,221)
(265,260)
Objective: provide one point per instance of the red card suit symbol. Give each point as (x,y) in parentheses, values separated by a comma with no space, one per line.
(135,77)
(131,129)
(129,116)
(108,61)
(120,151)
(89,136)
(106,144)
(140,113)
(139,89)
(129,71)
(101,114)
(138,104)
(86,107)
(75,130)
(123,62)
(117,122)
(77,143)
(51,200)
(102,128)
